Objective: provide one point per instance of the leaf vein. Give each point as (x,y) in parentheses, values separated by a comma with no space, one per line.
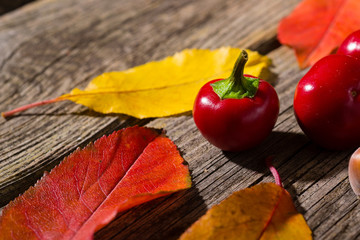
(272,214)
(106,197)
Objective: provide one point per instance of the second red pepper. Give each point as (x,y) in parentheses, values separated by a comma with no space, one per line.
(327,98)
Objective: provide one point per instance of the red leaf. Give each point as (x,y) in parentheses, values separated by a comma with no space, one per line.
(92,185)
(316,27)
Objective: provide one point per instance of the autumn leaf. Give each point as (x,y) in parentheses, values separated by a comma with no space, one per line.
(89,188)
(316,27)
(161,88)
(264,211)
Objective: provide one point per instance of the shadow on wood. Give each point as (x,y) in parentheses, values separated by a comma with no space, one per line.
(170,216)
(9,5)
(279,144)
(296,157)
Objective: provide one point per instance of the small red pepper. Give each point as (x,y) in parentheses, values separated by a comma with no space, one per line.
(236,113)
(327,98)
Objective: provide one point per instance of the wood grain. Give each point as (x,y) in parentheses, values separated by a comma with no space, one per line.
(51,46)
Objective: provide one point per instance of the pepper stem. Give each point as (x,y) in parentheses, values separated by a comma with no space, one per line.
(237,86)
(238,70)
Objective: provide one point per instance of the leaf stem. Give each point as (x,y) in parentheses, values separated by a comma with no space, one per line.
(273,170)
(32,105)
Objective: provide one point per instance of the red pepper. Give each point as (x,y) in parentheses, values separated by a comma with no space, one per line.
(238,112)
(327,99)
(351,45)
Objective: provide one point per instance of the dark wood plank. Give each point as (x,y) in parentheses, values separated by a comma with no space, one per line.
(6,5)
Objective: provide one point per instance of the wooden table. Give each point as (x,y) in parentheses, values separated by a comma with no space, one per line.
(51,46)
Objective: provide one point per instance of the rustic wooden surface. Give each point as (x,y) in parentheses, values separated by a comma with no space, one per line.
(51,46)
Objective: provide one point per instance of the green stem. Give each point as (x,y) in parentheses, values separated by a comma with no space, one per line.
(237,74)
(237,86)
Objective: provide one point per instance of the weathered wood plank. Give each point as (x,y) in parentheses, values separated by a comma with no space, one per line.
(92,38)
(50,47)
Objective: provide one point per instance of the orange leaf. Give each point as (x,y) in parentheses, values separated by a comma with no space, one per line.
(264,211)
(92,185)
(317,27)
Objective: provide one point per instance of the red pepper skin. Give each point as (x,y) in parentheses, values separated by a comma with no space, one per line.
(351,45)
(236,124)
(327,102)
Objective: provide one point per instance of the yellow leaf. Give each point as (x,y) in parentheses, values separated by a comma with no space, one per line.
(165,87)
(264,211)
